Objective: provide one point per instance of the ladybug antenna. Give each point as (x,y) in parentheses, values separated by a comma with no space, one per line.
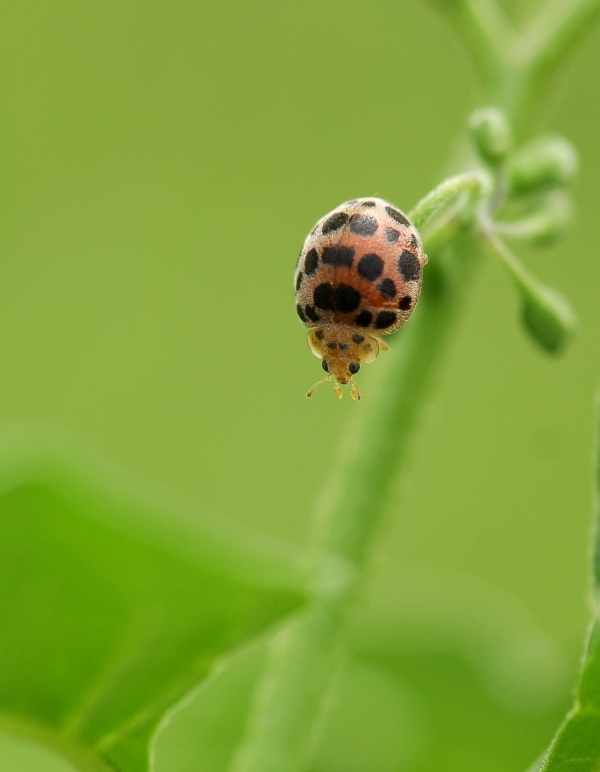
(311,391)
(338,390)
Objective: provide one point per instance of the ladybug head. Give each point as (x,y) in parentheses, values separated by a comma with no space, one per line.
(342,350)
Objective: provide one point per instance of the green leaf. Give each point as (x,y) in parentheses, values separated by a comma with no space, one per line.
(115,600)
(205,733)
(576,747)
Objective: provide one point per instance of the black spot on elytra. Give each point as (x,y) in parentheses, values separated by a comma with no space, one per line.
(319,334)
(335,222)
(368,203)
(312,314)
(347,299)
(344,298)
(338,256)
(363,224)
(325,366)
(364,319)
(301,313)
(358,338)
(396,215)
(311,262)
(409,266)
(391,235)
(323,297)
(370,267)
(385,319)
(299,280)
(343,346)
(387,288)
(405,303)
(331,344)
(414,242)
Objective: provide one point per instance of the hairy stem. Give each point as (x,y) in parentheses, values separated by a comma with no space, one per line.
(445,193)
(373,454)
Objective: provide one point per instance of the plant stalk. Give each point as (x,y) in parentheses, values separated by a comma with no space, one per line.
(374,454)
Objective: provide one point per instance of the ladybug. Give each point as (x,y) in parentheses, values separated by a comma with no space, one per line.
(358,276)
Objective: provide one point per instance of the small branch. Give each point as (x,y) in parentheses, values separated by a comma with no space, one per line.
(545,223)
(514,267)
(552,33)
(446,192)
(547,316)
(488,32)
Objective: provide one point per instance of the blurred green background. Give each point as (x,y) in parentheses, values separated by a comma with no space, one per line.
(161,164)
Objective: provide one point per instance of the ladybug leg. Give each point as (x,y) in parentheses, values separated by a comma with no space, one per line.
(338,390)
(383,346)
(355,392)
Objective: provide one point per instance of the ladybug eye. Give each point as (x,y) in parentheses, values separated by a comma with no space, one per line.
(325,366)
(354,367)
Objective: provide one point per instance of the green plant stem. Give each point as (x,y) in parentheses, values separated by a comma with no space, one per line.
(547,38)
(515,64)
(546,315)
(522,278)
(373,454)
(284,719)
(488,33)
(445,193)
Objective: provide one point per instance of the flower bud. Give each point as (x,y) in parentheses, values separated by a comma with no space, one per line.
(544,162)
(491,133)
(547,221)
(547,316)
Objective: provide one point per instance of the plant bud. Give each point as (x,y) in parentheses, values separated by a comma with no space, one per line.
(546,222)
(547,316)
(545,162)
(491,133)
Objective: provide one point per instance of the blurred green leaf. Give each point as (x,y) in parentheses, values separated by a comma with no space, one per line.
(450,675)
(206,731)
(427,708)
(115,600)
(576,747)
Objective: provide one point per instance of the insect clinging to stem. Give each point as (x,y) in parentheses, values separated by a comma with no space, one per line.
(358,277)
